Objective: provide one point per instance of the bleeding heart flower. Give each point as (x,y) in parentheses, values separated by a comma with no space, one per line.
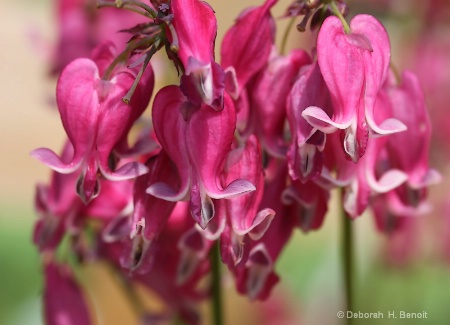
(96,119)
(194,33)
(64,303)
(242,214)
(268,113)
(305,152)
(198,141)
(247,45)
(354,67)
(409,150)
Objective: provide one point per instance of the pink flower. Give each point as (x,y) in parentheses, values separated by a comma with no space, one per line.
(362,180)
(197,140)
(310,204)
(195,29)
(61,211)
(409,150)
(64,303)
(181,253)
(57,206)
(305,152)
(354,67)
(254,273)
(247,45)
(81,27)
(150,214)
(268,113)
(242,214)
(96,119)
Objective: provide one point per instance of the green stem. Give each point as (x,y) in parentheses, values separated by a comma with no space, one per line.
(347,259)
(286,35)
(123,56)
(129,5)
(217,314)
(341,18)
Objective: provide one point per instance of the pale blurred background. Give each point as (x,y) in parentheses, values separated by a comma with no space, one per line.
(309,268)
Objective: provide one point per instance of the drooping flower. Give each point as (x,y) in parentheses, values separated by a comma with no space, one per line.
(150,214)
(57,206)
(194,33)
(305,152)
(181,252)
(354,67)
(243,214)
(247,45)
(409,150)
(61,211)
(268,113)
(362,180)
(197,140)
(64,303)
(96,119)
(254,274)
(309,204)
(81,27)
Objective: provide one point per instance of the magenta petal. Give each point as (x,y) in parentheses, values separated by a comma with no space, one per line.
(234,189)
(388,126)
(261,223)
(193,249)
(151,211)
(52,160)
(209,135)
(247,45)
(217,225)
(344,67)
(78,104)
(196,28)
(432,177)
(117,229)
(170,129)
(376,62)
(64,303)
(127,171)
(409,150)
(258,278)
(166,192)
(270,111)
(387,181)
(309,90)
(319,119)
(202,206)
(246,163)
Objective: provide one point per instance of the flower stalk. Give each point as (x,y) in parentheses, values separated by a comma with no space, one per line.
(347,262)
(216,287)
(341,18)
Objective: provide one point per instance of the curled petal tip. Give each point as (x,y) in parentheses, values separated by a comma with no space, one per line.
(388,181)
(236,188)
(52,160)
(127,171)
(319,119)
(164,191)
(388,126)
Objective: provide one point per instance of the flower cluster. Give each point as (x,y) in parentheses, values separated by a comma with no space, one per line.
(239,153)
